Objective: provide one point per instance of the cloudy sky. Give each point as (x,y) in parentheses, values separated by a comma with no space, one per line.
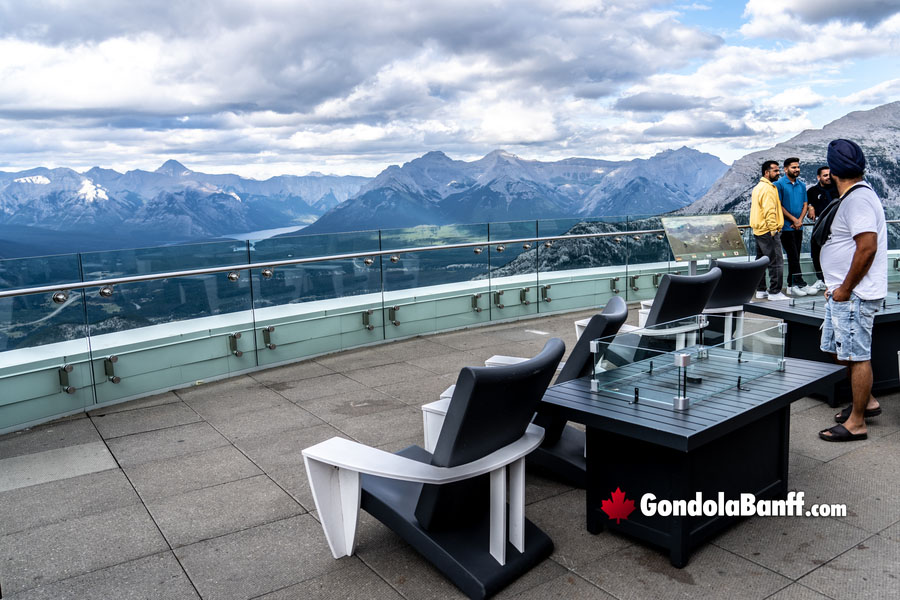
(265,87)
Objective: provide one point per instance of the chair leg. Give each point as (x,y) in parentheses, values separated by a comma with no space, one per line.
(336,493)
(517,504)
(498,515)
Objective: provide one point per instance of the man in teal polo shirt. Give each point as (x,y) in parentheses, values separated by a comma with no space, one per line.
(792,193)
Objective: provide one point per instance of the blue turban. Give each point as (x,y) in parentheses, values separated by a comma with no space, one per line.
(846,159)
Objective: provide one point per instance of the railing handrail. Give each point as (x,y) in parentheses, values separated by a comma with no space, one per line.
(77,285)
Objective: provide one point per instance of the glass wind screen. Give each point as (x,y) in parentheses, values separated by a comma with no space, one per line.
(815,305)
(689,360)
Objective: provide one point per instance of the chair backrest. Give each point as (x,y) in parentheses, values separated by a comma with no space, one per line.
(738,282)
(681,296)
(580,361)
(490,408)
(604,324)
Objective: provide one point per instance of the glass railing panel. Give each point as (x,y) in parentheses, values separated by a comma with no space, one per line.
(314,308)
(165,333)
(584,272)
(893,267)
(743,221)
(438,289)
(514,283)
(45,367)
(810,275)
(649,257)
(743,218)
(806,265)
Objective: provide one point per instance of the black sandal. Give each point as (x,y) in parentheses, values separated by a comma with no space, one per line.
(839,433)
(845,414)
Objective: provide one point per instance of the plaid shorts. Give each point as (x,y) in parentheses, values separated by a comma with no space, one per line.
(847,330)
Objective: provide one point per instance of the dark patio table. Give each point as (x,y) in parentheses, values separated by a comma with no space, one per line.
(734,442)
(804,318)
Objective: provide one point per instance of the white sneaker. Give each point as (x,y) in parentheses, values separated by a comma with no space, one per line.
(762,295)
(778,296)
(810,290)
(796,290)
(820,285)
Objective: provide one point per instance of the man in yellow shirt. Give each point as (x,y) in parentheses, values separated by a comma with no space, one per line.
(767,221)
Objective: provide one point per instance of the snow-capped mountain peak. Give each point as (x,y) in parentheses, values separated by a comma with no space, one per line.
(89,191)
(33,179)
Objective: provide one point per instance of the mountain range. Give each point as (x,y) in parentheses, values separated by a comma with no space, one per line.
(435,189)
(102,208)
(877,131)
(50,211)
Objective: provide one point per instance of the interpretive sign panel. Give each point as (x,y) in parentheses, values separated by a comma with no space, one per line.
(699,237)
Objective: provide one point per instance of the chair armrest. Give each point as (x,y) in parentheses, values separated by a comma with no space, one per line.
(739,308)
(580,326)
(347,454)
(662,332)
(333,469)
(499,360)
(433,415)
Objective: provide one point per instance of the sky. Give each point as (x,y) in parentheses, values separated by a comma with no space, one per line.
(268,87)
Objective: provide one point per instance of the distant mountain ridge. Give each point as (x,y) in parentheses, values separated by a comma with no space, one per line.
(437,190)
(104,209)
(877,131)
(172,203)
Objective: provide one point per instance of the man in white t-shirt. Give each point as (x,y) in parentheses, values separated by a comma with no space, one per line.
(854,262)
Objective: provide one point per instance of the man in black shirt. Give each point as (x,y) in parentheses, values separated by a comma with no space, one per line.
(819,195)
(817,198)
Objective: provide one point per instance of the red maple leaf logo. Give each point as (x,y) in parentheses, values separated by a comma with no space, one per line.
(617,507)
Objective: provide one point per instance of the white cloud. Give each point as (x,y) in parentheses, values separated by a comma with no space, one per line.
(351,86)
(511,122)
(800,19)
(887,91)
(794,98)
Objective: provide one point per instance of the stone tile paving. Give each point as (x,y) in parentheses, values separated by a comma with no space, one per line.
(208,497)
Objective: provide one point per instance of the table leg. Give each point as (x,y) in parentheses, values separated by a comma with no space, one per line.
(593,515)
(594,523)
(678,556)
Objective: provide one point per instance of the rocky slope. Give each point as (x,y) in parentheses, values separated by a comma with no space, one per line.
(877,131)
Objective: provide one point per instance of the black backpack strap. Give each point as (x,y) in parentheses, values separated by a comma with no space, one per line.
(822,229)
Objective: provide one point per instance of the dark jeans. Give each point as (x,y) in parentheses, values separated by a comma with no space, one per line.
(817,265)
(792,239)
(769,245)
